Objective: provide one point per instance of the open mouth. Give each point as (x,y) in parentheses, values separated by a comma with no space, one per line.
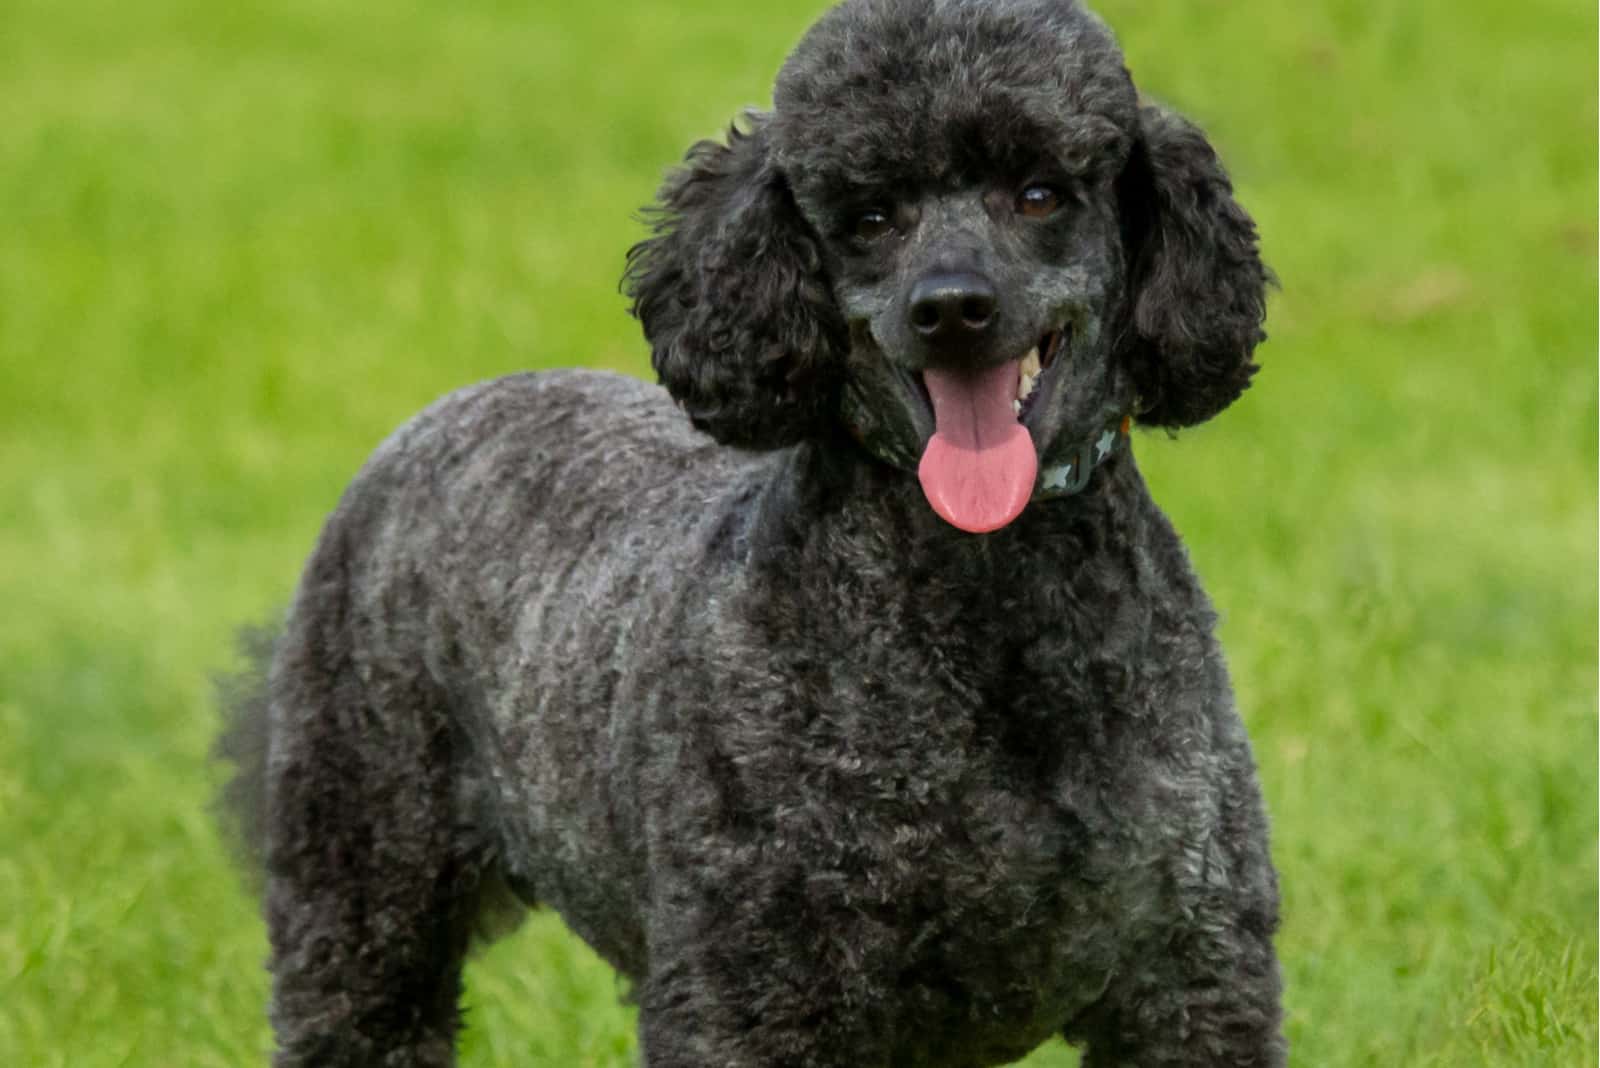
(978,467)
(1031,368)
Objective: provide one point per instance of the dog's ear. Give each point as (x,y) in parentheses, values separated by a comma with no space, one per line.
(734,300)
(1197,286)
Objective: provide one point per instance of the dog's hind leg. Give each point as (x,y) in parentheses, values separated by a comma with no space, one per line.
(373,878)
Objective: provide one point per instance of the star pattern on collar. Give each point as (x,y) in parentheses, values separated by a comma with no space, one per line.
(1058,478)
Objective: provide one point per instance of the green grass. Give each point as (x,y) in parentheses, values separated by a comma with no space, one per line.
(240,242)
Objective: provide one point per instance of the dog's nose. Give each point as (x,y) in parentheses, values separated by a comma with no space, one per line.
(952,308)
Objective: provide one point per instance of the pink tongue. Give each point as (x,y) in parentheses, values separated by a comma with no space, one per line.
(978,469)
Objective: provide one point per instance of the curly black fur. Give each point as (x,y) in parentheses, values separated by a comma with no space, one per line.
(1199,282)
(731,291)
(834,784)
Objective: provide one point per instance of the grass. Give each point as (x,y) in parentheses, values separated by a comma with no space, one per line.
(241,242)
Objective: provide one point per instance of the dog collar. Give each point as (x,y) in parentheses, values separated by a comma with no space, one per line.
(1061,479)
(1065,479)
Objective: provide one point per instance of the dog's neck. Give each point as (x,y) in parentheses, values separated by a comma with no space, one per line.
(1073,462)
(835,490)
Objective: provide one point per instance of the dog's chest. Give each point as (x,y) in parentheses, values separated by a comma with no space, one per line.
(950,770)
(963,835)
(990,905)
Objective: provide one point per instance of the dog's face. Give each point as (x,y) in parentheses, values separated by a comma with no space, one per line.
(959,233)
(968,213)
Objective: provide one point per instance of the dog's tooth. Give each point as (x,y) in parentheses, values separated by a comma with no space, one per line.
(1027,373)
(1016,407)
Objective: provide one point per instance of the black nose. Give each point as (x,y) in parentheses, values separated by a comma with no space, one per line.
(953,308)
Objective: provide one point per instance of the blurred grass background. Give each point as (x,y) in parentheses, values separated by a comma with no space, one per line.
(240,242)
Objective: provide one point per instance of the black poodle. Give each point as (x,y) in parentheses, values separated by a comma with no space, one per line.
(875,719)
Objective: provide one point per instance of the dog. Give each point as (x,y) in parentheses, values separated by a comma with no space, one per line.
(849,694)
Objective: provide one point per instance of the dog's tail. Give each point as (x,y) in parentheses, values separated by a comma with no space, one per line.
(240,806)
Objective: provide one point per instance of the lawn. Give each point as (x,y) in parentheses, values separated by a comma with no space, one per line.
(242,241)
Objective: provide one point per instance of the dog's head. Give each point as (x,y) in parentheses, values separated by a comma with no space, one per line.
(959,232)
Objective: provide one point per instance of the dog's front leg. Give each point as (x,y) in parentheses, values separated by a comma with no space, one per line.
(745,973)
(1210,1000)
(1202,989)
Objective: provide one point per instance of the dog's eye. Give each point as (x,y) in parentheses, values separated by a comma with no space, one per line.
(873,224)
(1038,201)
